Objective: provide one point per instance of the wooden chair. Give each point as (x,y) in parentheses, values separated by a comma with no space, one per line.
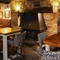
(43,54)
(41,37)
(18,42)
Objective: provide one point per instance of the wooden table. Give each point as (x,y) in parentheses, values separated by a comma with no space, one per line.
(7,32)
(53,40)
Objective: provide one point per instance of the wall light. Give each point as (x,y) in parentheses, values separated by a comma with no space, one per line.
(17,5)
(7,12)
(55,5)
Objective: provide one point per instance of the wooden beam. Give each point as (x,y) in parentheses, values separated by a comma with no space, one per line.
(42,10)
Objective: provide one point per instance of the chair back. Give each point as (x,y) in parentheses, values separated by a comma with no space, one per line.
(19,39)
(41,37)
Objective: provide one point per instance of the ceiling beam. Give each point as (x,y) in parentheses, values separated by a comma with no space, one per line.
(42,10)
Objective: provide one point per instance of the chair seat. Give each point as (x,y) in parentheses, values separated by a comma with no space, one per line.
(11,42)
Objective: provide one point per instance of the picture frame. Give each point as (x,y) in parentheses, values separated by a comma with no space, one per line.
(7,14)
(1,14)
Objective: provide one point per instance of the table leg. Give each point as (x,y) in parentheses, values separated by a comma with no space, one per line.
(5,51)
(4,47)
(47,48)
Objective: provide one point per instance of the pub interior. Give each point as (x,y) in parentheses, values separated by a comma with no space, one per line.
(32,16)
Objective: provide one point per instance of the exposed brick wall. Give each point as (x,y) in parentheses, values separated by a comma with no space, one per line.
(5,23)
(51,20)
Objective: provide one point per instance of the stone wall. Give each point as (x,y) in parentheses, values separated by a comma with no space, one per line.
(5,23)
(51,20)
(14,19)
(30,4)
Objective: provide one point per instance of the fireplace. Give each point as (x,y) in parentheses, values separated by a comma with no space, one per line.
(33,23)
(31,34)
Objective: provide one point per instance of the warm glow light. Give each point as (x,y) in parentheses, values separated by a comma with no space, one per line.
(6,30)
(8,9)
(18,21)
(17,7)
(55,5)
(7,13)
(55,9)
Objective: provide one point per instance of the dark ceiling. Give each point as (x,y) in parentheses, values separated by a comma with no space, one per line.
(5,1)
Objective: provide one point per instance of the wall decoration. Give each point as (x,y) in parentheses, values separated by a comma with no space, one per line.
(1,14)
(7,14)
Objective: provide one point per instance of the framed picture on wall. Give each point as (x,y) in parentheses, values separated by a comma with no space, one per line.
(1,14)
(7,14)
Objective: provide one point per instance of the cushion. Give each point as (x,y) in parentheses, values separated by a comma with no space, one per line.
(50,55)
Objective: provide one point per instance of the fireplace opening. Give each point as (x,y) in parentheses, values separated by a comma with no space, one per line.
(31,36)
